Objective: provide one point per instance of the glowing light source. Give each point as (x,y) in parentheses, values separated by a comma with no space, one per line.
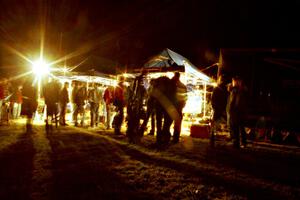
(40,67)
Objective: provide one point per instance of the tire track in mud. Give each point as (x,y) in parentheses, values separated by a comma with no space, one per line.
(41,182)
(16,157)
(237,182)
(155,178)
(83,167)
(9,136)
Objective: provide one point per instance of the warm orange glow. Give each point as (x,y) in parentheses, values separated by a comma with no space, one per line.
(40,67)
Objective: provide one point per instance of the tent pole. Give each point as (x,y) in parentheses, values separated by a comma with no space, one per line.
(204,101)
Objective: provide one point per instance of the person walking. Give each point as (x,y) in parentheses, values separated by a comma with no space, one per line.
(236,108)
(73,98)
(218,102)
(180,101)
(51,95)
(29,102)
(63,101)
(80,99)
(94,101)
(108,99)
(119,102)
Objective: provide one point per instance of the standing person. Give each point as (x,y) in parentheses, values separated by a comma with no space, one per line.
(180,101)
(73,98)
(94,101)
(218,102)
(51,94)
(108,99)
(80,99)
(6,93)
(29,102)
(18,102)
(150,111)
(2,96)
(236,108)
(63,100)
(119,102)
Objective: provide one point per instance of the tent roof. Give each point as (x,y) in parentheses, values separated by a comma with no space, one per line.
(167,59)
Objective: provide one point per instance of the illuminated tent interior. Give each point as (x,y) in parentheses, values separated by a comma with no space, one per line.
(199,85)
(168,61)
(89,76)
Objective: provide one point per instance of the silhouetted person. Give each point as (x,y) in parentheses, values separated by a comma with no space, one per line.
(218,102)
(51,94)
(108,99)
(180,101)
(73,98)
(64,100)
(236,108)
(94,101)
(2,96)
(119,102)
(164,92)
(29,102)
(18,100)
(150,113)
(80,98)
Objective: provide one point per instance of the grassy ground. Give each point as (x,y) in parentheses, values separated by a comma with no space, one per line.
(82,163)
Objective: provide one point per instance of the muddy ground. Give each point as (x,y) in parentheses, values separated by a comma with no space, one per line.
(83,163)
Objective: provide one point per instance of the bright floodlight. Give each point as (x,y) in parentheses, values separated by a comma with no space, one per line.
(40,67)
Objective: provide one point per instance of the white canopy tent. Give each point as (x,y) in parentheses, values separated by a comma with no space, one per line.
(168,58)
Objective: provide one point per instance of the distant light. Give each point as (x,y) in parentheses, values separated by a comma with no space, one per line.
(40,67)
(65,70)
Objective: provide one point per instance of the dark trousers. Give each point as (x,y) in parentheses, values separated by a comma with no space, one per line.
(152,114)
(237,130)
(94,113)
(177,128)
(63,108)
(118,119)
(79,109)
(215,125)
(163,129)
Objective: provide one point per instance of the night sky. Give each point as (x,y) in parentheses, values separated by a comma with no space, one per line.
(128,32)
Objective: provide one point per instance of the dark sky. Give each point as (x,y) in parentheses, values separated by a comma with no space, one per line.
(128,32)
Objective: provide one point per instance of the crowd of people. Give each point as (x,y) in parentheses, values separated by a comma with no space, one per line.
(229,104)
(59,100)
(10,101)
(164,100)
(161,100)
(104,104)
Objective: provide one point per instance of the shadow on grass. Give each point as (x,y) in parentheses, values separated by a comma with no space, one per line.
(266,165)
(16,169)
(83,168)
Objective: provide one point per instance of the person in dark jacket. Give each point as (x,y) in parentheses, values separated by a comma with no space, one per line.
(94,101)
(108,99)
(236,108)
(30,103)
(218,102)
(80,100)
(180,101)
(64,100)
(75,88)
(51,95)
(119,103)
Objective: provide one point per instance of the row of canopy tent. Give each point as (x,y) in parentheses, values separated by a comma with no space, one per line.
(168,59)
(197,109)
(197,82)
(163,64)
